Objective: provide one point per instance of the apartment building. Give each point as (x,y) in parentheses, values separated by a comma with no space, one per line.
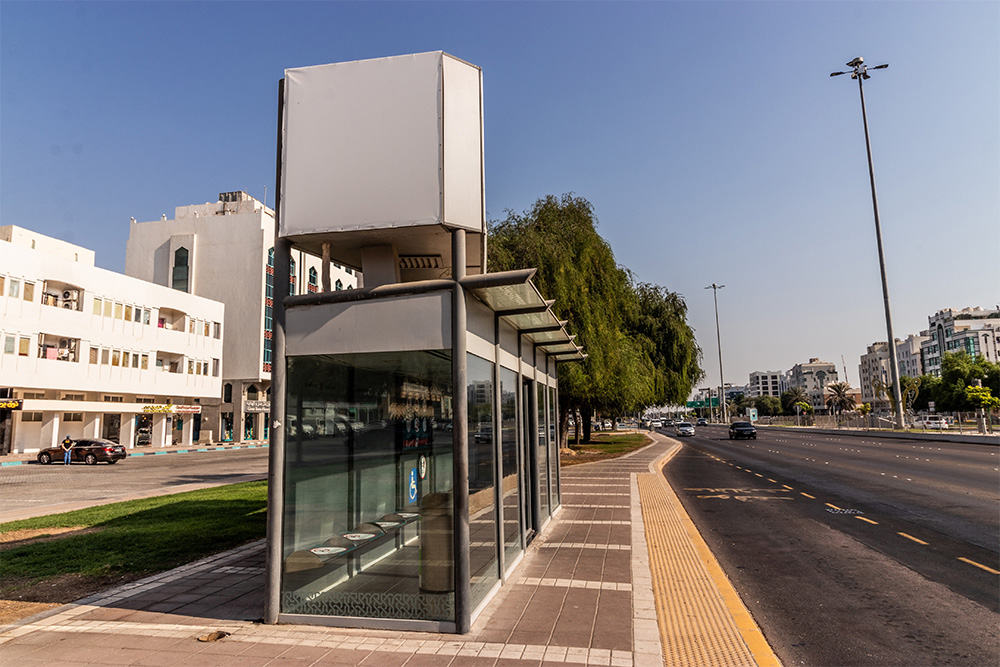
(224,251)
(974,330)
(88,352)
(767,383)
(813,378)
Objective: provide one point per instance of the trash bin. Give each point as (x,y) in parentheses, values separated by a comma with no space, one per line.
(437,561)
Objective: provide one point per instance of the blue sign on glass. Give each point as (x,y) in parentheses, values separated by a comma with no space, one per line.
(411,487)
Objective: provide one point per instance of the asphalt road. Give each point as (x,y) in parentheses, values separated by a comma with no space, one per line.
(34,489)
(853,551)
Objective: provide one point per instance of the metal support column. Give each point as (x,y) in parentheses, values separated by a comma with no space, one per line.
(460,432)
(276,451)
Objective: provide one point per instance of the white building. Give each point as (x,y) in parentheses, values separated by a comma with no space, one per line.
(813,378)
(224,251)
(873,371)
(975,330)
(908,355)
(767,383)
(88,352)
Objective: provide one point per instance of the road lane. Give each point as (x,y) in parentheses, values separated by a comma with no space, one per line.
(831,582)
(35,489)
(951,488)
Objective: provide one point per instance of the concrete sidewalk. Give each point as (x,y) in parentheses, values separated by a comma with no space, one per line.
(620,578)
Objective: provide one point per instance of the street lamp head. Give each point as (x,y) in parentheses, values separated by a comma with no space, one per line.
(856,62)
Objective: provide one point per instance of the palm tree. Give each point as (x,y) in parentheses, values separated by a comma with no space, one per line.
(839,397)
(792,396)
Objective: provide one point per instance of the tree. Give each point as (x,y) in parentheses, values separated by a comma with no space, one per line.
(803,407)
(641,351)
(839,397)
(768,405)
(791,397)
(981,398)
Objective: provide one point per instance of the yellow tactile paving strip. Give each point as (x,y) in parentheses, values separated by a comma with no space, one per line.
(701,618)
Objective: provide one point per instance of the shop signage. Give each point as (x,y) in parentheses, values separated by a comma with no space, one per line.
(257,406)
(172,409)
(11,403)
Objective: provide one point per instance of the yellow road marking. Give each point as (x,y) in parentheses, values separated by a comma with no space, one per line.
(807,495)
(831,505)
(911,537)
(979,565)
(874,523)
(773,481)
(787,487)
(758,474)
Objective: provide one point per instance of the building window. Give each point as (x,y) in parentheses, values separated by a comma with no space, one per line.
(116,357)
(339,285)
(144,364)
(1,285)
(107,308)
(118,311)
(138,315)
(145,399)
(135,360)
(313,280)
(291,277)
(29,291)
(104,356)
(72,416)
(9,343)
(97,305)
(145,316)
(252,393)
(128,313)
(15,288)
(227,393)
(31,416)
(112,399)
(179,279)
(216,330)
(215,368)
(23,345)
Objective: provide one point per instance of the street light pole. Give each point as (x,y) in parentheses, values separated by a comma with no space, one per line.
(859,71)
(722,378)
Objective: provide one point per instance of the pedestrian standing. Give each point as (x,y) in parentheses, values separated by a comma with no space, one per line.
(67,446)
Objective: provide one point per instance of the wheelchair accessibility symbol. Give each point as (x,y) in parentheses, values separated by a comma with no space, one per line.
(411,488)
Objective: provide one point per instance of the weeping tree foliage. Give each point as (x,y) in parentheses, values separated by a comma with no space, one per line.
(641,350)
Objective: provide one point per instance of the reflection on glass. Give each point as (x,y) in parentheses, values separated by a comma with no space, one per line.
(508,450)
(542,452)
(553,450)
(368,486)
(483,560)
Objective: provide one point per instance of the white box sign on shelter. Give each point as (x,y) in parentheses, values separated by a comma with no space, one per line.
(385,144)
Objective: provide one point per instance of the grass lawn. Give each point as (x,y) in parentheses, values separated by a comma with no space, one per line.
(604,446)
(63,557)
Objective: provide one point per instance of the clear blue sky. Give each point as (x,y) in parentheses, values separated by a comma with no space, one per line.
(708,136)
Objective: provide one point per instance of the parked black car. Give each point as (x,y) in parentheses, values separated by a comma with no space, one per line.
(739,430)
(86,450)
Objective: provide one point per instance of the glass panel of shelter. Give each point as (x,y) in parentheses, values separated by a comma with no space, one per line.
(368,482)
(369,490)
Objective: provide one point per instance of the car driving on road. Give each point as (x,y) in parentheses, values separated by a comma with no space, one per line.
(702,421)
(739,430)
(86,450)
(684,428)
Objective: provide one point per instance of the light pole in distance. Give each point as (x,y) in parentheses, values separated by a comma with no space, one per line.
(859,71)
(718,336)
